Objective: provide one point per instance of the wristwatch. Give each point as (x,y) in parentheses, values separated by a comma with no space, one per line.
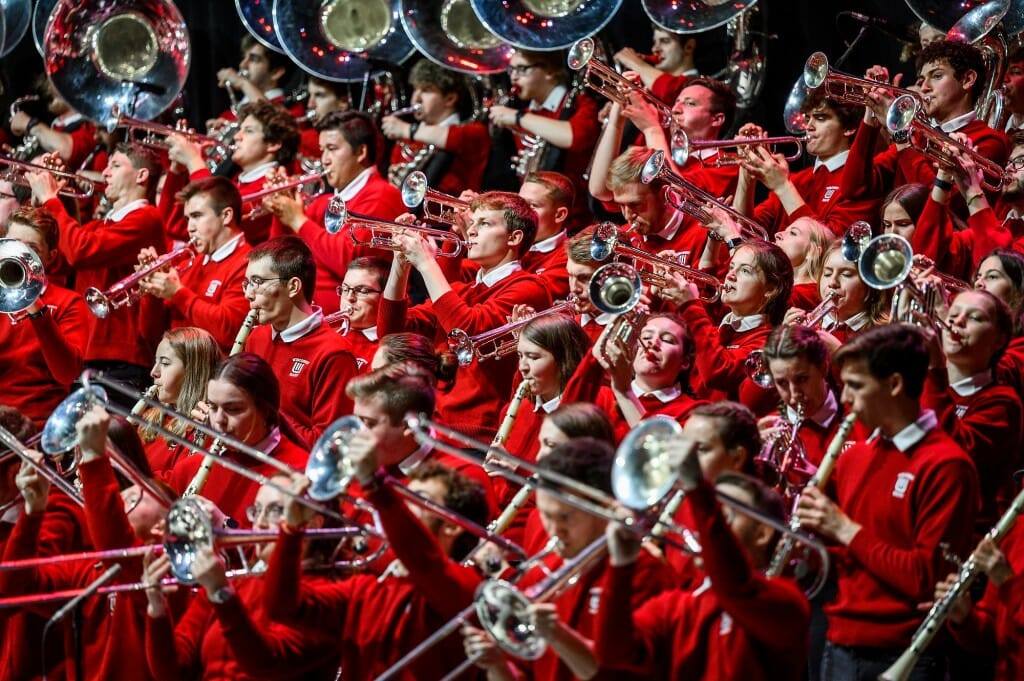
(221,595)
(733,242)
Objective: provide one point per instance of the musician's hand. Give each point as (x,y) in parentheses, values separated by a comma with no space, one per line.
(629,59)
(723,224)
(643,115)
(297,515)
(156,566)
(19,121)
(521,311)
(489,559)
(682,453)
(961,607)
(502,116)
(771,426)
(993,562)
(679,290)
(879,98)
(617,361)
(91,430)
(184,152)
(362,454)
(481,649)
(35,489)
(394,128)
(820,514)
(288,207)
(229,76)
(201,412)
(772,170)
(415,247)
(214,126)
(544,618)
(43,184)
(209,571)
(623,543)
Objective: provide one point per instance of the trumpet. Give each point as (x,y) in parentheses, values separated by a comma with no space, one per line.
(341,319)
(815,317)
(75,186)
(682,147)
(688,198)
(844,87)
(502,341)
(651,268)
(367,231)
(605,80)
(437,206)
(311,186)
(904,116)
(214,149)
(127,292)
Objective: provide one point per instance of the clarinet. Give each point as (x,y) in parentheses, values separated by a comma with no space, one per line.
(510,416)
(969,571)
(195,487)
(781,556)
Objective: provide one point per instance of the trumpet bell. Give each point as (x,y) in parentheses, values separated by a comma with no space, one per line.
(461,344)
(329,469)
(615,288)
(414,189)
(602,244)
(815,70)
(544,24)
(886,261)
(901,113)
(449,33)
(694,17)
(22,276)
(258,18)
(133,54)
(187,529)
(756,366)
(59,434)
(793,116)
(855,240)
(642,472)
(503,612)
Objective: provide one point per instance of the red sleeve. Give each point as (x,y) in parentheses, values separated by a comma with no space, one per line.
(769,213)
(116,245)
(934,231)
(83,141)
(173,652)
(290,600)
(720,368)
(454,313)
(221,318)
(333,252)
(667,87)
(172,212)
(104,509)
(62,339)
(989,233)
(584,123)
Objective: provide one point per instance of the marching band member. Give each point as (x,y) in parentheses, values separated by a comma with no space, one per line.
(243,401)
(983,417)
(208,293)
(674,65)
(572,420)
(1001,273)
(413,347)
(568,622)
(360,294)
(70,135)
(1013,91)
(858,306)
(805,242)
(103,252)
(309,359)
(259,76)
(444,141)
(501,230)
(267,137)
(899,495)
(580,266)
(226,633)
(41,356)
(737,625)
(185,359)
(325,97)
(350,145)
(552,196)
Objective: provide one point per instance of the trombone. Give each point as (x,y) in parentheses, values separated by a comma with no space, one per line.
(75,187)
(437,206)
(22,278)
(844,87)
(502,341)
(213,148)
(127,292)
(8,440)
(683,148)
(374,233)
(311,186)
(688,198)
(651,268)
(605,80)
(904,115)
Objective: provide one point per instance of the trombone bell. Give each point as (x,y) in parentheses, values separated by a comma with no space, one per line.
(642,473)
(329,470)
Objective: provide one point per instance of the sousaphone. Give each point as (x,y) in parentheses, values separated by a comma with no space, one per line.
(449,33)
(544,24)
(129,54)
(694,16)
(943,14)
(40,19)
(258,18)
(16,15)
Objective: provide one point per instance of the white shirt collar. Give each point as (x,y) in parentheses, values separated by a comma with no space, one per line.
(741,324)
(966,387)
(270,95)
(123,211)
(498,273)
(823,417)
(671,227)
(834,163)
(370,334)
(553,101)
(270,442)
(549,244)
(855,323)
(297,331)
(452,119)
(664,395)
(548,406)
(256,173)
(224,251)
(357,184)
(1013,214)
(913,433)
(1014,122)
(954,124)
(12,514)
(603,319)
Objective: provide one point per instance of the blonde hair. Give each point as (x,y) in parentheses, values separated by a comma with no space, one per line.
(199,353)
(820,238)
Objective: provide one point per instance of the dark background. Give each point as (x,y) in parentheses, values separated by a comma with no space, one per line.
(796,29)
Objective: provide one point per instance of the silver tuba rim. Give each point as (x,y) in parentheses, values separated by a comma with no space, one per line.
(519,22)
(423,21)
(694,17)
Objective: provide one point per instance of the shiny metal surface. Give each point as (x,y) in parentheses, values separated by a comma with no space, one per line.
(40,18)
(22,277)
(545,24)
(449,33)
(258,18)
(642,474)
(17,17)
(693,16)
(943,14)
(329,469)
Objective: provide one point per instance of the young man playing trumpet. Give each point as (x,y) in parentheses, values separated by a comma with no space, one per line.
(551,195)
(501,229)
(207,294)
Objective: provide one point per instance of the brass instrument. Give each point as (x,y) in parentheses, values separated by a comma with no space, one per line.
(29,146)
(855,240)
(8,440)
(258,18)
(652,269)
(683,148)
(127,292)
(905,115)
(844,87)
(793,116)
(374,233)
(502,341)
(544,24)
(615,289)
(688,198)
(310,186)
(782,461)
(153,135)
(341,319)
(437,206)
(978,27)
(780,559)
(22,278)
(815,317)
(450,34)
(608,82)
(694,17)
(756,367)
(40,17)
(16,19)
(75,186)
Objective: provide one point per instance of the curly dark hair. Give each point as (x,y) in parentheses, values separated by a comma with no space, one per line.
(278,126)
(961,56)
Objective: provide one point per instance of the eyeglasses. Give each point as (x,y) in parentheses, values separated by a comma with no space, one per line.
(257,282)
(520,70)
(132,502)
(273,512)
(361,291)
(1016,163)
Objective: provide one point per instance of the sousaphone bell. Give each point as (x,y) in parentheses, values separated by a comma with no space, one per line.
(694,16)
(449,33)
(545,24)
(258,18)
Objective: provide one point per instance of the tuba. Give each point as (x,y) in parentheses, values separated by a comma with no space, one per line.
(258,18)
(694,17)
(544,24)
(450,33)
(978,28)
(17,15)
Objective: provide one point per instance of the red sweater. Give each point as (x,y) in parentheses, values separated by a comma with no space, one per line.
(376,623)
(934,237)
(41,358)
(823,200)
(313,371)
(804,296)
(210,297)
(987,425)
(257,229)
(103,253)
(740,626)
(361,347)
(1010,369)
(907,504)
(551,268)
(470,147)
(473,405)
